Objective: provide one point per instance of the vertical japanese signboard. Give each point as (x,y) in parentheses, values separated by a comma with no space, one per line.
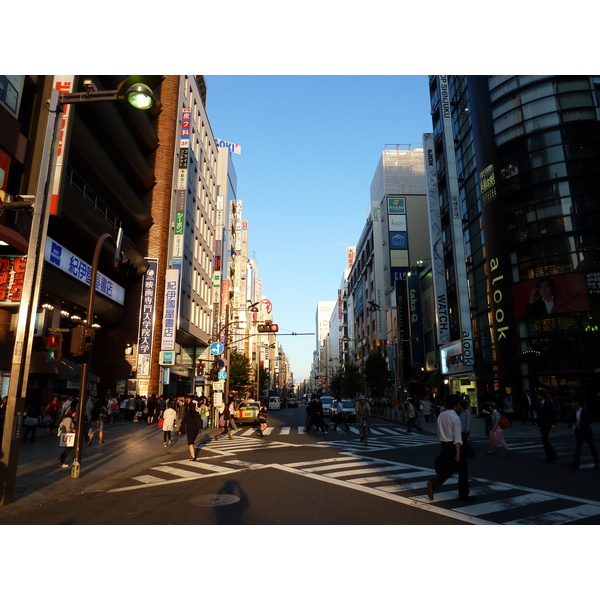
(170,314)
(146,329)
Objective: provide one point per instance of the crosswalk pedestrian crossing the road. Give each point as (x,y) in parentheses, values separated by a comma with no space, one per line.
(496,503)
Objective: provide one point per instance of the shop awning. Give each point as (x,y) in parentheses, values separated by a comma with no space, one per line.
(14,239)
(64,369)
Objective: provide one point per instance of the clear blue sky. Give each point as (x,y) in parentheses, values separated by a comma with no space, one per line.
(310,147)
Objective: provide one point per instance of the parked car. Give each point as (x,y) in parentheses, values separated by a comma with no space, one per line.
(274,403)
(349,410)
(247,413)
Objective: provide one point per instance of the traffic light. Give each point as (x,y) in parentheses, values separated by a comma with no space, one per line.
(268,328)
(53,347)
(81,340)
(124,266)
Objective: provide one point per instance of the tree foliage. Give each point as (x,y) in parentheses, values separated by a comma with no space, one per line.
(238,372)
(377,374)
(352,381)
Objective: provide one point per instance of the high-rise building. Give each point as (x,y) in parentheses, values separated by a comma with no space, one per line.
(394,240)
(516,161)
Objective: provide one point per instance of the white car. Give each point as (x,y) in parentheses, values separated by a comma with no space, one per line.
(274,403)
(327,402)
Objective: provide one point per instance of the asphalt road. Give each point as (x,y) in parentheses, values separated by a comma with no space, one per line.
(293,478)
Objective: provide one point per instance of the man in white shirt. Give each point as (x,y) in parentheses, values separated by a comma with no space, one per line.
(451,458)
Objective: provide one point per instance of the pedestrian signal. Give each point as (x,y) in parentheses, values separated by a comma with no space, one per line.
(53,347)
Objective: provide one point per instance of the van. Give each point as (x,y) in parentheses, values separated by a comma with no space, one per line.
(274,403)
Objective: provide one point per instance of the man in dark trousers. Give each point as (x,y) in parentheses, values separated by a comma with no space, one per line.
(546,422)
(451,459)
(583,431)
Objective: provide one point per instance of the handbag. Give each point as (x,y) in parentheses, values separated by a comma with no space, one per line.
(31,421)
(222,421)
(161,422)
(67,438)
(496,437)
(503,422)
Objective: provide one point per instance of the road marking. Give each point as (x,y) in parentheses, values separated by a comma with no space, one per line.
(566,515)
(147,479)
(285,430)
(500,505)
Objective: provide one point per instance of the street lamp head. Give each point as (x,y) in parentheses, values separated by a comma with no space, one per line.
(140,96)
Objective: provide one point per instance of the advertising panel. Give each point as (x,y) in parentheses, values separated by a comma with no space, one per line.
(397,222)
(146,328)
(398,240)
(437,249)
(550,295)
(12,276)
(396,206)
(171,310)
(64,84)
(69,263)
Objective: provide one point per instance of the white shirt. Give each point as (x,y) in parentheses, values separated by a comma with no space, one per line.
(448,427)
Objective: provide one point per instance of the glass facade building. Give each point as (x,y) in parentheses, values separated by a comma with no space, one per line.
(527,156)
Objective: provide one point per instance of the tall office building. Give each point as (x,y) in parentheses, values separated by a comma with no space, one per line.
(395,239)
(516,160)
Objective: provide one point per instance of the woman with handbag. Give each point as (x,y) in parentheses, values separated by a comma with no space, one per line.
(496,434)
(67,425)
(169,417)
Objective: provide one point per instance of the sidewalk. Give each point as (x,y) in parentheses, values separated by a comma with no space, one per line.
(127,445)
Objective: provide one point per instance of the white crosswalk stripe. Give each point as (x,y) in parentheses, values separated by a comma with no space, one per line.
(495,502)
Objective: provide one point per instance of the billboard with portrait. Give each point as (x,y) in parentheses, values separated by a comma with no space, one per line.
(549,295)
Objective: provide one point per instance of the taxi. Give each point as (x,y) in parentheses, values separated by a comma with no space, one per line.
(247,413)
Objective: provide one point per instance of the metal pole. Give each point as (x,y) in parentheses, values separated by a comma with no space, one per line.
(19,374)
(78,449)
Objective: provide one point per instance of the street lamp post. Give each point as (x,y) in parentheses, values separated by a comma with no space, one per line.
(19,374)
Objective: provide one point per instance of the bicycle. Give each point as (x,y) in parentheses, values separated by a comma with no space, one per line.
(363,422)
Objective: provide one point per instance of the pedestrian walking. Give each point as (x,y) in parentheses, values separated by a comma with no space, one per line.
(411,413)
(31,420)
(67,425)
(98,416)
(466,418)
(224,424)
(311,414)
(192,424)
(528,408)
(583,432)
(427,409)
(51,413)
(546,422)
(451,457)
(339,416)
(168,426)
(203,410)
(509,407)
(496,434)
(152,408)
(262,421)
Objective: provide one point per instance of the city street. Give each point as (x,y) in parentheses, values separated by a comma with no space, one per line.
(293,478)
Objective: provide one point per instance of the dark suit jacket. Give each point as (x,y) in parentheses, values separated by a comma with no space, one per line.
(585,421)
(545,414)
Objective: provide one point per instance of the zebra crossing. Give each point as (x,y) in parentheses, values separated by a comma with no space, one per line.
(496,503)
